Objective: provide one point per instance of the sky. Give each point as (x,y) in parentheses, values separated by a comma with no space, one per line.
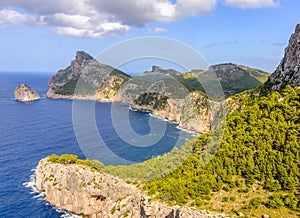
(43,36)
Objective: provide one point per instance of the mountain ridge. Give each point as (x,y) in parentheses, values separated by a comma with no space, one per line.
(88,79)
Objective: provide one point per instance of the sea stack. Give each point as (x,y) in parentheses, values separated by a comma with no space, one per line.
(25,93)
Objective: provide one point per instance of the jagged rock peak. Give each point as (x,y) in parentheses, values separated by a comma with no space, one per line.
(160,70)
(288,71)
(82,56)
(156,68)
(25,93)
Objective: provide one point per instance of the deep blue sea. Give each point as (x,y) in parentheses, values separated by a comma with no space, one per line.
(32,131)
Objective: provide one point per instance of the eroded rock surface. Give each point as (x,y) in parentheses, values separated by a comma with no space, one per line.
(25,93)
(87,192)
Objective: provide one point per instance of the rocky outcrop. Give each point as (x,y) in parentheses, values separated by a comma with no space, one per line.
(87,192)
(160,70)
(86,78)
(25,93)
(288,71)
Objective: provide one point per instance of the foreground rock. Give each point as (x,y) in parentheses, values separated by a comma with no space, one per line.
(25,93)
(86,192)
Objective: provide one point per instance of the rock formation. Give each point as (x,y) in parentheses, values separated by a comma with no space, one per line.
(288,71)
(25,93)
(85,78)
(87,192)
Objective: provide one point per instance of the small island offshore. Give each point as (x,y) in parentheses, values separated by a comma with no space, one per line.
(255,172)
(25,93)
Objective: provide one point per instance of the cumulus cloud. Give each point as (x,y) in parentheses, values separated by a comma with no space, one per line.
(104,18)
(252,3)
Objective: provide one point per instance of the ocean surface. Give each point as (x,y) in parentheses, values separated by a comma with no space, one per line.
(32,131)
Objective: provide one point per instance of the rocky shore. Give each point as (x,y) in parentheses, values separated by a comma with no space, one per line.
(87,192)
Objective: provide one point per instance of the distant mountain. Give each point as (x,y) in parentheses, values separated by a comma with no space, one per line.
(233,78)
(288,71)
(159,70)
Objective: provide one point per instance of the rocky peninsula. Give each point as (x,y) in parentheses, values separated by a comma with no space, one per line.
(25,93)
(166,93)
(87,192)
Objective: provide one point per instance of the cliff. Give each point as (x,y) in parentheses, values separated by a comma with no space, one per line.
(194,112)
(25,93)
(87,192)
(288,71)
(86,78)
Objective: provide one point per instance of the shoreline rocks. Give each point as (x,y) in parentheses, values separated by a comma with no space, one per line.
(25,93)
(87,192)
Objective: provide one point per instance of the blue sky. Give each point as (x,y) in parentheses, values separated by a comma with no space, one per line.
(43,37)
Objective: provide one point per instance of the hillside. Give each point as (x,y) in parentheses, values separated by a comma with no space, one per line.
(256,169)
(233,78)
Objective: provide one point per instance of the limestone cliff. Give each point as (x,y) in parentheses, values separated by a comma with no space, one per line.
(86,78)
(84,191)
(288,71)
(194,112)
(25,93)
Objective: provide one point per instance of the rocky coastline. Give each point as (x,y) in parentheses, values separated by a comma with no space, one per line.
(84,191)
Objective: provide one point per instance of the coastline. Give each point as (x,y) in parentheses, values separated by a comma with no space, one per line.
(82,190)
(92,98)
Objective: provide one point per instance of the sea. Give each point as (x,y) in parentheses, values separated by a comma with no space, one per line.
(34,130)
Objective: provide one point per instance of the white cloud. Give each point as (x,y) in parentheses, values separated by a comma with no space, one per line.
(161,30)
(252,3)
(187,8)
(11,17)
(158,30)
(105,18)
(105,30)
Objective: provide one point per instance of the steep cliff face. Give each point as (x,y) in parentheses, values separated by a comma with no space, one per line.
(194,112)
(288,71)
(87,192)
(25,93)
(86,78)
